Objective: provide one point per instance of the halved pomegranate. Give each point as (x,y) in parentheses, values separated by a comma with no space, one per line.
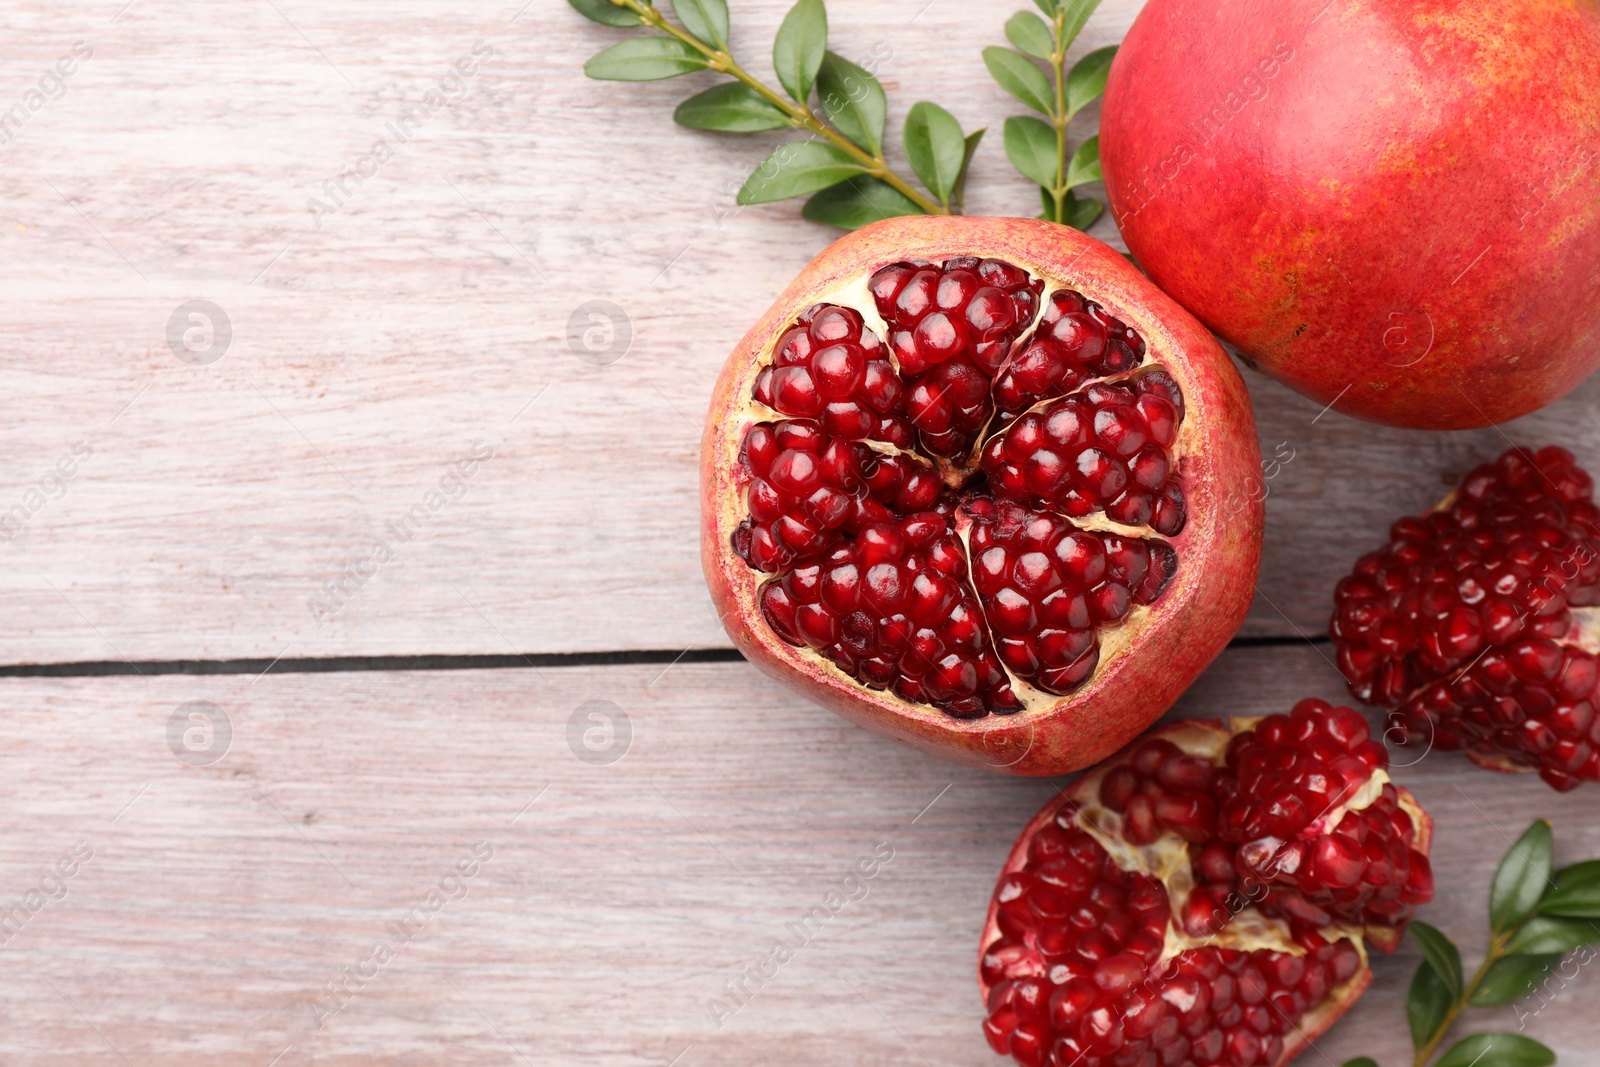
(964,483)
(1479,623)
(1206,897)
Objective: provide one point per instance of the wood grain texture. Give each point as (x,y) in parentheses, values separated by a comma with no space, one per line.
(618,899)
(372,346)
(369,354)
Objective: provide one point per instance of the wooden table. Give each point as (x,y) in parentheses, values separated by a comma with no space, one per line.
(421,724)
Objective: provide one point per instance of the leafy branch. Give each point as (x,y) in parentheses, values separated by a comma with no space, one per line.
(842,166)
(1536,917)
(1037,148)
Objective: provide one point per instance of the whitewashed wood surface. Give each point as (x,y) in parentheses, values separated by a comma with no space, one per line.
(370,352)
(619,898)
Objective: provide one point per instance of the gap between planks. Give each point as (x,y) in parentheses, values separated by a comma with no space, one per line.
(533,660)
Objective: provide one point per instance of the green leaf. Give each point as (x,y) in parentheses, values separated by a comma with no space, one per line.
(797,169)
(936,148)
(853,101)
(1522,877)
(730,108)
(1441,954)
(1512,978)
(797,50)
(644,59)
(1080,214)
(606,13)
(1087,78)
(1048,6)
(1018,76)
(1077,212)
(1361,1061)
(1576,893)
(959,193)
(1496,1050)
(1427,1004)
(1031,34)
(1078,12)
(707,20)
(1085,165)
(1031,147)
(1543,935)
(856,202)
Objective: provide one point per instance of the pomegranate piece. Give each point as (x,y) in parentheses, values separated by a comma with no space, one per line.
(901,522)
(1176,906)
(1446,173)
(1477,624)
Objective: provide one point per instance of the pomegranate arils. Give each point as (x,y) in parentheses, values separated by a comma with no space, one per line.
(836,491)
(1107,449)
(1047,588)
(1266,817)
(831,367)
(892,610)
(1076,341)
(807,488)
(1473,624)
(951,328)
(1293,773)
(1090,959)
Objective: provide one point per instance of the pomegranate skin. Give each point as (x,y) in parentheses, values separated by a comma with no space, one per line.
(1393,208)
(1220,547)
(1185,733)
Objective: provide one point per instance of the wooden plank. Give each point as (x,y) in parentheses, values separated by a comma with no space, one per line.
(220,898)
(1341,484)
(371,347)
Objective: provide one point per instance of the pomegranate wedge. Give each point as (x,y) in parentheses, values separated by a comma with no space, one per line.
(1478,624)
(1207,897)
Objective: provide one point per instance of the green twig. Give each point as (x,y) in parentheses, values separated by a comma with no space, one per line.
(1058,119)
(1495,953)
(800,115)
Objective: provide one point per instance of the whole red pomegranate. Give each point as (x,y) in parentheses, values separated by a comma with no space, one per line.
(1478,623)
(1392,207)
(978,485)
(1205,897)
